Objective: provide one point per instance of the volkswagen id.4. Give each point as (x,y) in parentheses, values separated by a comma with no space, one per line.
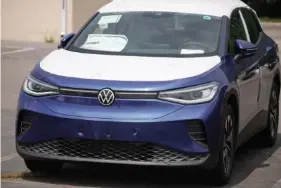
(158,82)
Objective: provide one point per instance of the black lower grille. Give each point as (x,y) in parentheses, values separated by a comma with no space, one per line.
(109,150)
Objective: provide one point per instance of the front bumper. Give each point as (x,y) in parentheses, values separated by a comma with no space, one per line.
(187,137)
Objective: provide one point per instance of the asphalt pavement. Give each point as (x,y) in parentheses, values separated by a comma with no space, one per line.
(255,167)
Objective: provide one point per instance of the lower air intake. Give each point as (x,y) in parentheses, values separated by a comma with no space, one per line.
(197,132)
(109,150)
(24,122)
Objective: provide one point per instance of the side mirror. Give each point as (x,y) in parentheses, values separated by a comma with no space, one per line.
(65,39)
(245,49)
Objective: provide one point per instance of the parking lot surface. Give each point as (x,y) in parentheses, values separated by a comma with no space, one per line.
(255,167)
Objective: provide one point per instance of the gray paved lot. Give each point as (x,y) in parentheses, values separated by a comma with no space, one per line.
(255,167)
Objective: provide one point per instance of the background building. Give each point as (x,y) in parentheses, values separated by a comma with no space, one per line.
(36,20)
(39,20)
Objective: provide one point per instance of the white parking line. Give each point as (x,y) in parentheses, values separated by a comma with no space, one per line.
(9,46)
(18,51)
(37,184)
(9,157)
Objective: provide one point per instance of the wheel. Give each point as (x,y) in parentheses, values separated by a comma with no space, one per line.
(45,167)
(222,172)
(269,135)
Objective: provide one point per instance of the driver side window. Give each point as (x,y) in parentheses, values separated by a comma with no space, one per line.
(236,31)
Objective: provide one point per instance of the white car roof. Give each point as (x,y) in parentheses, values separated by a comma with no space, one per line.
(206,7)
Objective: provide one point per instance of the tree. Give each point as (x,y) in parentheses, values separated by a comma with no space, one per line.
(265,8)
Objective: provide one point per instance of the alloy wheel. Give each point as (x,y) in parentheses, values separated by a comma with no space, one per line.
(228,144)
(273,113)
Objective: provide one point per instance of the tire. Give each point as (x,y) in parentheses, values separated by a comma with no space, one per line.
(45,167)
(269,135)
(221,174)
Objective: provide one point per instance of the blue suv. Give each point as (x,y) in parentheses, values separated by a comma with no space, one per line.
(176,83)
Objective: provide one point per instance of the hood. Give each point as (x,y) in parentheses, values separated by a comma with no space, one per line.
(125,68)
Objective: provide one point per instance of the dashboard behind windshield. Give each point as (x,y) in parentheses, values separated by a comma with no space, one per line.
(150,33)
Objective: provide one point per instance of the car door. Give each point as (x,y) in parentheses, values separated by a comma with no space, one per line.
(265,53)
(248,72)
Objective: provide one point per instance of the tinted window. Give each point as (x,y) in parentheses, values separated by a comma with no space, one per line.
(150,33)
(252,25)
(236,31)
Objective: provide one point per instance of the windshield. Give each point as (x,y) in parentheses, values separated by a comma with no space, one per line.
(150,33)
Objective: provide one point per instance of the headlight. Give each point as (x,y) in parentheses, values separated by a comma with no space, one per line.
(38,88)
(192,95)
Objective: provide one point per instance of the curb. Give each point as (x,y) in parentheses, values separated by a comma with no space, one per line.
(271,24)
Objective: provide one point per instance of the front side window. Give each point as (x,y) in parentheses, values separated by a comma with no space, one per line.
(252,25)
(237,31)
(150,33)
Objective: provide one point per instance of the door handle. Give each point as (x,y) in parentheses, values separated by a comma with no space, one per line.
(249,74)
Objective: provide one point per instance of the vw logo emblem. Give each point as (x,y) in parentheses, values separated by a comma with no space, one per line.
(106,97)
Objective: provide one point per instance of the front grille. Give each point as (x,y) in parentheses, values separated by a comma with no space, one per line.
(118,94)
(197,132)
(109,150)
(81,93)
